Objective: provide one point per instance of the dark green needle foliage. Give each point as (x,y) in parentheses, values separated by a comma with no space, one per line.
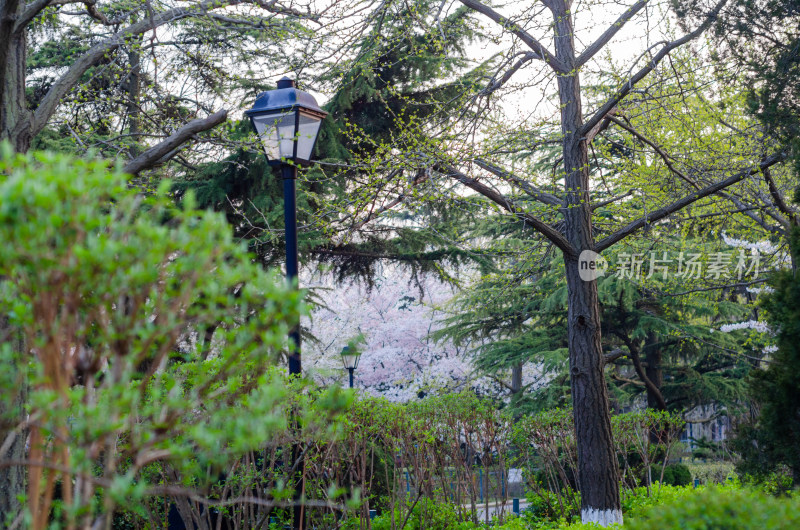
(772,440)
(381,97)
(666,348)
(515,319)
(673,352)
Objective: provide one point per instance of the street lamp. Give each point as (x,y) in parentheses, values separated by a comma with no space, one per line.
(350,361)
(287,121)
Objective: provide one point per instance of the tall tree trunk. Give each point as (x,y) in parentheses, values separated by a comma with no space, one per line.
(598,473)
(15,118)
(516,378)
(15,125)
(654,372)
(12,478)
(655,375)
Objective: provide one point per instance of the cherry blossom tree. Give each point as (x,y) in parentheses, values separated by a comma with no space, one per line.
(396,318)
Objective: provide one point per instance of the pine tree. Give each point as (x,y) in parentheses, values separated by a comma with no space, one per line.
(380,99)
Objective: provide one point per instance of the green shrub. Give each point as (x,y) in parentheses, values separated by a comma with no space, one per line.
(720,508)
(637,501)
(113,293)
(425,515)
(674,475)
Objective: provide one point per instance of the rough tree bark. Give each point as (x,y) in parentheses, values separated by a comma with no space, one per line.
(516,378)
(654,372)
(133,88)
(15,118)
(12,478)
(598,472)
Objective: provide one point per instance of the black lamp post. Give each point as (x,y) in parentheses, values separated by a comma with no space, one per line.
(350,361)
(287,121)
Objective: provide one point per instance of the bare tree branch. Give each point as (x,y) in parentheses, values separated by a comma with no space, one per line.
(498,83)
(627,86)
(664,156)
(160,153)
(686,201)
(422,176)
(777,198)
(553,235)
(535,193)
(67,81)
(741,207)
(597,45)
(606,202)
(541,52)
(613,355)
(633,355)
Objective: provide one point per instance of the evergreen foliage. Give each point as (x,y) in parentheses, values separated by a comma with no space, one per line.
(772,439)
(383,96)
(517,317)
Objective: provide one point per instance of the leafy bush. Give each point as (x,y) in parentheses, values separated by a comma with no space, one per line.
(721,508)
(637,501)
(674,475)
(424,515)
(149,335)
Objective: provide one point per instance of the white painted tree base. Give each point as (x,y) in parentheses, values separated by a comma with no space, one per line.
(601,517)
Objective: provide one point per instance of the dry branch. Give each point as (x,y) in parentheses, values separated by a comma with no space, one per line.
(163,151)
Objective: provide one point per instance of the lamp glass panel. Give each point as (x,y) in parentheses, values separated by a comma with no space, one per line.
(307,130)
(276,130)
(350,360)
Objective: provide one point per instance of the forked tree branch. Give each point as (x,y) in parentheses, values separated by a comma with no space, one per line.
(624,89)
(553,235)
(166,149)
(598,45)
(633,355)
(686,201)
(543,53)
(508,74)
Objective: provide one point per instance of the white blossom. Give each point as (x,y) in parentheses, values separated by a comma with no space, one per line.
(762,247)
(757,325)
